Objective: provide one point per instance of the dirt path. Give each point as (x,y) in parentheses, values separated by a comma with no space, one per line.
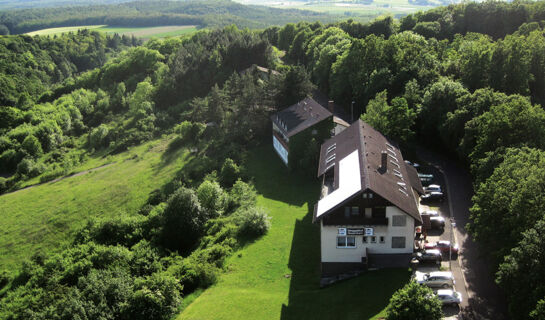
(64,177)
(485,298)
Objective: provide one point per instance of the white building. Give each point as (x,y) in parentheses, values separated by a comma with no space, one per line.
(368,210)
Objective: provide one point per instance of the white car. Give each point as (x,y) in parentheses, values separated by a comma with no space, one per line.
(447,296)
(430,212)
(433,188)
(443,279)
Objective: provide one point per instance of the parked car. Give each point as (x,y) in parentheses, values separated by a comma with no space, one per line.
(432,188)
(437,222)
(432,197)
(448,296)
(430,213)
(432,255)
(443,246)
(443,279)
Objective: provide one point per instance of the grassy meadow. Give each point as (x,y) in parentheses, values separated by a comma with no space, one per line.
(140,32)
(44,217)
(277,276)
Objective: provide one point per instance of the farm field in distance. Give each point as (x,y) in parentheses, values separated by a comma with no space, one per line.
(138,32)
(351,8)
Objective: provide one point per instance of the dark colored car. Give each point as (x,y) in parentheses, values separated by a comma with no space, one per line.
(427,256)
(437,222)
(432,197)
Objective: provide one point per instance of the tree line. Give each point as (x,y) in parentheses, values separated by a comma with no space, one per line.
(475,95)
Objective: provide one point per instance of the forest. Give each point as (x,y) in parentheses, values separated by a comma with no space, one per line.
(467,80)
(204,13)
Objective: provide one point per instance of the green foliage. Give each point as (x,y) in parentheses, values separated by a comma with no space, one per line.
(414,302)
(521,274)
(395,121)
(212,198)
(242,194)
(252,221)
(32,146)
(509,202)
(183,220)
(230,172)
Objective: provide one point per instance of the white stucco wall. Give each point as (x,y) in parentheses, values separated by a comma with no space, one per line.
(328,239)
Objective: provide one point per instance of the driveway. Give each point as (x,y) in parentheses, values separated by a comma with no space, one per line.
(484,298)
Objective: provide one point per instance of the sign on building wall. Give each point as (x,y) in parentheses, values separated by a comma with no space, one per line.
(342,231)
(355,231)
(282,152)
(368,231)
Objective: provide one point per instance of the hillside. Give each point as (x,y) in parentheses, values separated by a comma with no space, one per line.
(204,13)
(43,218)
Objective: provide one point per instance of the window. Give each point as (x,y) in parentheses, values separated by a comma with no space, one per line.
(382,239)
(398,242)
(373,239)
(346,242)
(399,221)
(364,239)
(347,212)
(355,211)
(379,212)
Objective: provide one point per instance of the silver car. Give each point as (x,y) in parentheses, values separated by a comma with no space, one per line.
(443,279)
(432,188)
(449,297)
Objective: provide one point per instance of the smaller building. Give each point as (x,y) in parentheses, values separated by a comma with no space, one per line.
(295,126)
(368,210)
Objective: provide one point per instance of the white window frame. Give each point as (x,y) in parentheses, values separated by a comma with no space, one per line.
(345,242)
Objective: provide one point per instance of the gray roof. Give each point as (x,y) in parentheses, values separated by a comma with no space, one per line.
(300,116)
(394,185)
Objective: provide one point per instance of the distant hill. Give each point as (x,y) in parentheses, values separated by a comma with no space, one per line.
(204,13)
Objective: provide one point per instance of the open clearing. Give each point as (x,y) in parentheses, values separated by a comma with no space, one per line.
(44,218)
(140,32)
(277,276)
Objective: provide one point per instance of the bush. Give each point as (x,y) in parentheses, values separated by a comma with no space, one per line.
(156,297)
(212,198)
(25,166)
(183,220)
(98,137)
(32,146)
(195,274)
(414,301)
(242,195)
(252,221)
(229,173)
(124,230)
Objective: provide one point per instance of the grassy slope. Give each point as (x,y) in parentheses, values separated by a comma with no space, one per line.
(44,217)
(277,276)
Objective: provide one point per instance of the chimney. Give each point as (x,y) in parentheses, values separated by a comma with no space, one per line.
(383,162)
(331,106)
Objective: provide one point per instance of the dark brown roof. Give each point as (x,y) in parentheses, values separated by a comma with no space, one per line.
(414,179)
(338,111)
(393,185)
(300,116)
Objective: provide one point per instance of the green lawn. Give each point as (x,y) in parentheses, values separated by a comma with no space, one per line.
(138,32)
(44,217)
(277,276)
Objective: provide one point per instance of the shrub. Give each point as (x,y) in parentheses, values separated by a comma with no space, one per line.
(212,197)
(32,146)
(156,297)
(229,174)
(252,221)
(4,278)
(195,274)
(124,230)
(183,220)
(242,195)
(98,137)
(414,301)
(25,166)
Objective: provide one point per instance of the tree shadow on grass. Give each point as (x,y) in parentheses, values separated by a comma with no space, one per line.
(274,181)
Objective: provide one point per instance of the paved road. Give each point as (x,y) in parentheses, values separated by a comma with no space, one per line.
(485,300)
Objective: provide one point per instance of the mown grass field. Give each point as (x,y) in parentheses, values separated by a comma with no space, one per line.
(277,276)
(143,33)
(347,7)
(44,217)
